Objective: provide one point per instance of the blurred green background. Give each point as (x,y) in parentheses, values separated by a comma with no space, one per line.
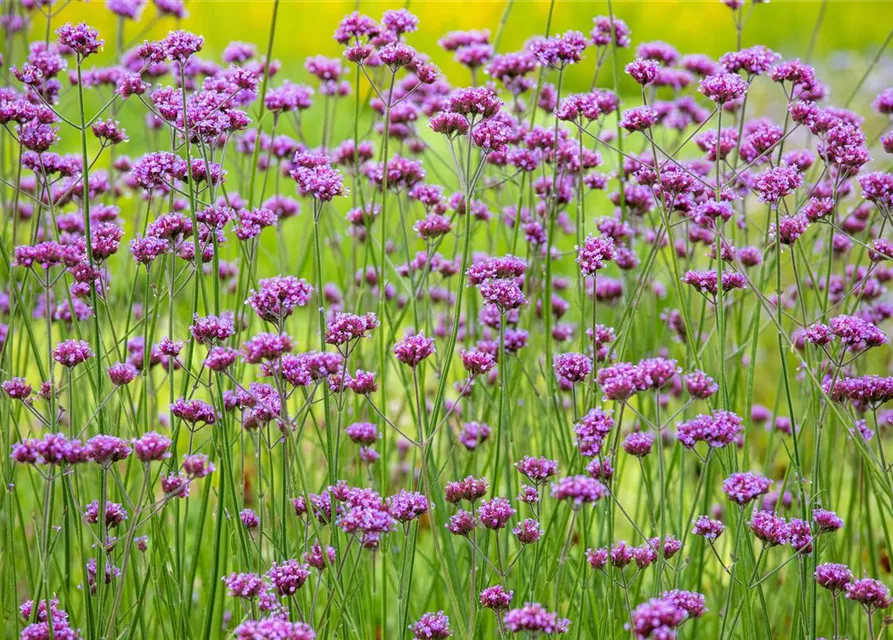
(849,35)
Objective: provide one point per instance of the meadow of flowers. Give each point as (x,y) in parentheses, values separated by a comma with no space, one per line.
(387,355)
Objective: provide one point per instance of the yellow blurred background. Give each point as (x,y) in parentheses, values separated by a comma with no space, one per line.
(849,35)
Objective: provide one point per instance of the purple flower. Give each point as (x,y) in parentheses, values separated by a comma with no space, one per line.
(706,281)
(756,60)
(528,531)
(181,45)
(16,388)
(477,362)
(277,297)
(122,373)
(870,390)
(449,124)
(573,367)
(472,434)
(152,447)
(471,489)
(707,528)
(579,490)
(691,601)
(71,353)
(602,33)
(871,594)
(742,488)
(249,519)
(115,514)
(534,618)
(774,184)
(193,412)
(288,577)
(413,349)
(643,71)
(80,38)
(431,625)
(406,506)
(104,450)
(560,50)
(657,618)
(771,529)
(197,465)
(316,178)
(834,577)
(826,521)
(344,327)
(491,135)
(638,444)
(700,385)
(638,118)
(496,597)
(718,429)
(244,585)
(274,627)
(619,381)
(211,329)
(594,253)
(597,558)
(537,470)
(655,373)
(475,103)
(505,294)
(461,524)
(723,87)
(800,536)
(495,513)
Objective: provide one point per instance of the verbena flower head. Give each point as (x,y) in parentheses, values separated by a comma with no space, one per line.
(316,177)
(657,618)
(718,429)
(708,528)
(413,349)
(537,470)
(871,594)
(691,601)
(471,489)
(274,627)
(104,450)
(579,490)
(80,38)
(211,329)
(774,184)
(770,528)
(495,513)
(17,388)
(594,253)
(71,353)
(834,577)
(533,618)
(723,87)
(277,297)
(826,521)
(179,45)
(431,625)
(152,446)
(638,444)
(344,327)
(742,488)
(244,585)
(288,576)
(407,505)
(496,597)
(573,367)
(559,51)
